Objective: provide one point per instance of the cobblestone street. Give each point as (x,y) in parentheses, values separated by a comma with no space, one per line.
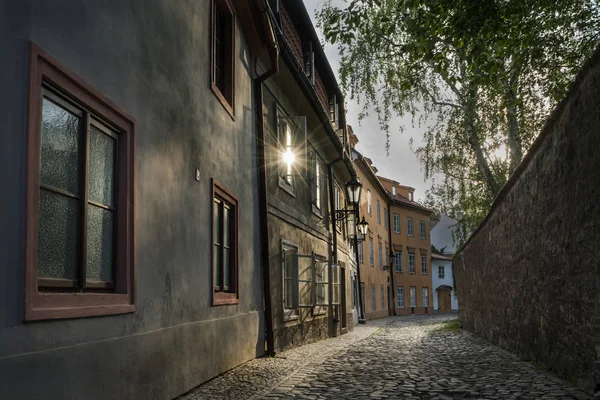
(399,357)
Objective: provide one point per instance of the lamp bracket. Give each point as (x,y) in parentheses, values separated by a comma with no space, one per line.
(342,214)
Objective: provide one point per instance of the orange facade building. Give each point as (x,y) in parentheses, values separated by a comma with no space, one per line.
(398,226)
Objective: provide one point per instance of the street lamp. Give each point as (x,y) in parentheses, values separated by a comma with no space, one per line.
(392,258)
(363,229)
(353,190)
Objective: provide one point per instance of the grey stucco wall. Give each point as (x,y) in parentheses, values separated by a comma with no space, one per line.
(152,59)
(529,277)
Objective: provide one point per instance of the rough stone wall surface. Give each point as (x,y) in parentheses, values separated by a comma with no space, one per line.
(529,277)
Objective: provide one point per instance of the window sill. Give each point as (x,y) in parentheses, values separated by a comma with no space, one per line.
(316,211)
(289,189)
(222,100)
(222,299)
(76,305)
(290,316)
(399,272)
(411,273)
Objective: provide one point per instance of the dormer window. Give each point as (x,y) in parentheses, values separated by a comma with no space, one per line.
(308,57)
(394,190)
(410,196)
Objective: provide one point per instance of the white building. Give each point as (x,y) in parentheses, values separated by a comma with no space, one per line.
(444,296)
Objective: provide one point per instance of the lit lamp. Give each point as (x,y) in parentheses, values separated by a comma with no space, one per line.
(353,190)
(363,229)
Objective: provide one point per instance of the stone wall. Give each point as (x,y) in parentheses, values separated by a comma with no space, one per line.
(529,277)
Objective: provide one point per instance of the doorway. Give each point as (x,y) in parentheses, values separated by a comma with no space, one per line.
(444,301)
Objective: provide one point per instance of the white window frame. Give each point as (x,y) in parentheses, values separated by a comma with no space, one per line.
(423,231)
(424,264)
(441,272)
(413,296)
(382,298)
(400,296)
(378,212)
(371,253)
(361,252)
(409,226)
(369,208)
(398,261)
(394,190)
(411,263)
(335,285)
(380,252)
(396,223)
(425,296)
(385,218)
(373,305)
(317,184)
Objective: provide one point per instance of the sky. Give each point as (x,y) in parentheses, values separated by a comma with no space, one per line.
(401,164)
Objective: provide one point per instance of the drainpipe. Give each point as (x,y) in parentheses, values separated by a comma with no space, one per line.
(393,293)
(273,51)
(361,309)
(333,245)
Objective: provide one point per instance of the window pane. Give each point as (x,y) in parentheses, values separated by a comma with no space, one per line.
(217,221)
(226,226)
(216,265)
(57,243)
(102,167)
(226,263)
(60,147)
(99,263)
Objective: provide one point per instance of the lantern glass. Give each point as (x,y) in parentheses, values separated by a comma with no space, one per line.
(353,190)
(363,227)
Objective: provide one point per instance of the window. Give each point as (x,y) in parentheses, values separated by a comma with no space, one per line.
(380,256)
(441,272)
(396,223)
(411,263)
(308,57)
(385,219)
(413,296)
(410,196)
(285,142)
(290,281)
(369,210)
(425,296)
(422,226)
(223,54)
(394,190)
(79,217)
(400,296)
(373,297)
(337,193)
(382,299)
(321,282)
(387,255)
(409,226)
(316,185)
(424,264)
(360,252)
(224,228)
(378,212)
(398,261)
(333,108)
(335,285)
(371,253)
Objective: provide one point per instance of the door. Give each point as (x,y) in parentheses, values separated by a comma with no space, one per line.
(444,303)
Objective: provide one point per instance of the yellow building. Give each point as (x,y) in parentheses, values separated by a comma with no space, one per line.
(411,244)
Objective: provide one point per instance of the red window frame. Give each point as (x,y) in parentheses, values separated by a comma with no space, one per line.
(225,43)
(45,70)
(230,295)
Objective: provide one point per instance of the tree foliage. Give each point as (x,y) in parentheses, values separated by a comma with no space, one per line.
(480,75)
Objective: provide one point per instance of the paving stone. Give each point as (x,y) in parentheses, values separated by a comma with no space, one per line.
(399,357)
